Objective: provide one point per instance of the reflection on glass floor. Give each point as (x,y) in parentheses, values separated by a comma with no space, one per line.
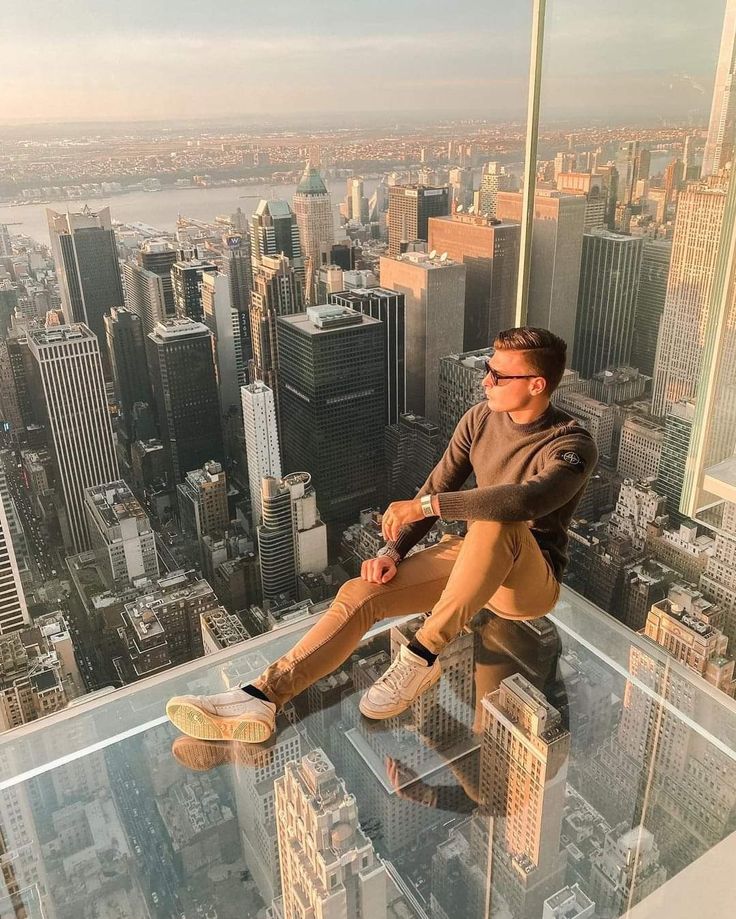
(535,780)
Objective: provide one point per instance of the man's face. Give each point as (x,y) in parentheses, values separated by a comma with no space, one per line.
(512,395)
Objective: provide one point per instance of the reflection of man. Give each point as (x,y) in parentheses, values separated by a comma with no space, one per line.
(503,648)
(531,462)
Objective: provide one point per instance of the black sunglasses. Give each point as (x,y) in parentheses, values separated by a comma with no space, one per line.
(495,376)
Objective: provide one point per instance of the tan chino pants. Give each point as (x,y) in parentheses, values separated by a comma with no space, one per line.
(497,565)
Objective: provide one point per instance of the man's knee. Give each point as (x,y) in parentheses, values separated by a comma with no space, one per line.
(358,594)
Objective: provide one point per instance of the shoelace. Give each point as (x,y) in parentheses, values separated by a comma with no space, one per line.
(396,676)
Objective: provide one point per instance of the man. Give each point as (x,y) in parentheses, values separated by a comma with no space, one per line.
(531,462)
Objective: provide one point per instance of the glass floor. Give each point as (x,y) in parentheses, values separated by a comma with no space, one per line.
(561,767)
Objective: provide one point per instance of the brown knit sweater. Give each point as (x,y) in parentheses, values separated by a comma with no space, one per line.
(534,472)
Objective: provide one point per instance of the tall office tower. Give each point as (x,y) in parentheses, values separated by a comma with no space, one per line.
(413,447)
(434,293)
(461,187)
(409,210)
(489,249)
(261,440)
(13,610)
(678,429)
(86,257)
(685,316)
(313,211)
(120,535)
(73,391)
(564,162)
(274,231)
(719,145)
(593,188)
(356,204)
(493,180)
(186,278)
(526,788)
(14,527)
(202,497)
(674,176)
(126,345)
(6,249)
(557,245)
(630,164)
(278,290)
(222,319)
(460,385)
(389,307)
(650,297)
(328,866)
(609,279)
(237,265)
(332,420)
(182,371)
(292,539)
(146,295)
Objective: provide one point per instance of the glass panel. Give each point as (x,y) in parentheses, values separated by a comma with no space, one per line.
(538,770)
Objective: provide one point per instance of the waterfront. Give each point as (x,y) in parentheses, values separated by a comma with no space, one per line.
(160,209)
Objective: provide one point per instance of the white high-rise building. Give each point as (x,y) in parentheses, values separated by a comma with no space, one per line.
(222,319)
(261,440)
(722,125)
(292,539)
(13,609)
(73,390)
(685,316)
(328,866)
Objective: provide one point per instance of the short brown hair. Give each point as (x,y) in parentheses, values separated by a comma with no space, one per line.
(546,352)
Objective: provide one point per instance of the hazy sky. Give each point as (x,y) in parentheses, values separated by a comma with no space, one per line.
(151,59)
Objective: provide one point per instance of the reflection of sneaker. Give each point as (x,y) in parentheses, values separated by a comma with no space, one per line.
(408,677)
(233,715)
(201,755)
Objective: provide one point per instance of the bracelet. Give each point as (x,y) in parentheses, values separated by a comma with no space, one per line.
(426,503)
(390,553)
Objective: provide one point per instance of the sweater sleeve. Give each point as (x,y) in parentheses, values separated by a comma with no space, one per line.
(450,473)
(570,462)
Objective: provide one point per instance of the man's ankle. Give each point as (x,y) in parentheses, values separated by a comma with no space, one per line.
(257,693)
(416,647)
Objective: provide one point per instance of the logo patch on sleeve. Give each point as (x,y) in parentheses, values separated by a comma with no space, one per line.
(573,459)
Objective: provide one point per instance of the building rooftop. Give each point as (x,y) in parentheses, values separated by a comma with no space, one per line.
(113,503)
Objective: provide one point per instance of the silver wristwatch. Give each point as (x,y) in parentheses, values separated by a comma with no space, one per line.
(391,553)
(426,503)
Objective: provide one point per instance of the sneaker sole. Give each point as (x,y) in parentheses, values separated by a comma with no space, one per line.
(197,723)
(383,713)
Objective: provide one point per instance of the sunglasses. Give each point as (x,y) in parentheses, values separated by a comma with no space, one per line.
(495,376)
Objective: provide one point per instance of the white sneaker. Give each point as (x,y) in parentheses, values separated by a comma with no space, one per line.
(408,677)
(233,715)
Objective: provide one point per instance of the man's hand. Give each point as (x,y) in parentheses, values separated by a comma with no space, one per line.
(378,570)
(397,514)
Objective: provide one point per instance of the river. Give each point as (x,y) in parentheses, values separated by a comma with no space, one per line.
(160,208)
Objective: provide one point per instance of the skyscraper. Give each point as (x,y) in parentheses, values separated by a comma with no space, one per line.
(313,212)
(609,279)
(277,291)
(593,188)
(126,346)
(237,265)
(182,371)
(409,209)
(261,440)
(493,180)
(390,308)
(274,231)
(685,315)
(292,539)
(557,245)
(332,390)
(149,291)
(434,293)
(632,164)
(13,609)
(719,145)
(73,392)
(328,866)
(86,259)
(222,319)
(489,249)
(675,451)
(186,277)
(655,266)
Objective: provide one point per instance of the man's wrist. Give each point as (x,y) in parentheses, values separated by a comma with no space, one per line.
(389,552)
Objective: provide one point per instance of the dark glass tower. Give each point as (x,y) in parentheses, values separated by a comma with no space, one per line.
(127,349)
